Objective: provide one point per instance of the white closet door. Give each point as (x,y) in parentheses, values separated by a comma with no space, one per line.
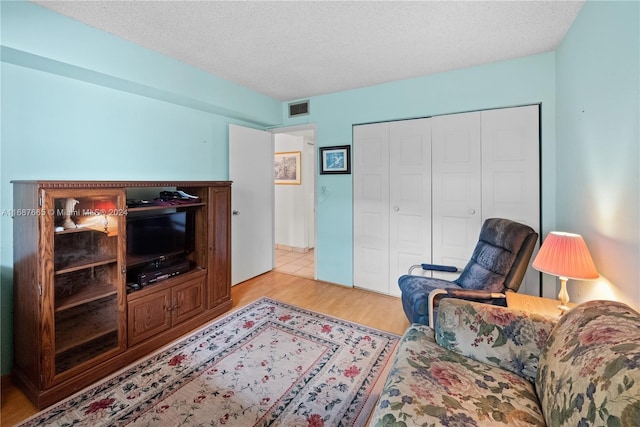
(457,208)
(423,188)
(371,207)
(409,197)
(510,171)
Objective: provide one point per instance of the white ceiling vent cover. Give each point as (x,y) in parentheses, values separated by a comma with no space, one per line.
(299,108)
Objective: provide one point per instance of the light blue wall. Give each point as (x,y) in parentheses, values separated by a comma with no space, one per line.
(517,82)
(78,103)
(38,38)
(598,183)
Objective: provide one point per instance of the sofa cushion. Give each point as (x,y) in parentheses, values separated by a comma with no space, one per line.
(507,338)
(590,369)
(430,385)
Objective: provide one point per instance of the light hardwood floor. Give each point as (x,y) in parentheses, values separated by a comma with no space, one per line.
(356,305)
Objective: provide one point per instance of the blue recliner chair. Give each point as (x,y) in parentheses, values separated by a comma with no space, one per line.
(498,264)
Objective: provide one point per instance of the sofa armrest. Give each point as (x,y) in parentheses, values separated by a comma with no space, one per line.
(503,337)
(488,297)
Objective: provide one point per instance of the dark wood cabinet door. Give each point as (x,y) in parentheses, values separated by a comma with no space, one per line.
(82,253)
(220,230)
(188,300)
(149,315)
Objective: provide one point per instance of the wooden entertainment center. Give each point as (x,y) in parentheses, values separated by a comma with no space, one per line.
(76,319)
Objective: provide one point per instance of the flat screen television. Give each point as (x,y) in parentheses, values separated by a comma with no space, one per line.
(159,237)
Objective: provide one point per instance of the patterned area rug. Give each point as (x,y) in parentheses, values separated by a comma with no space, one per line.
(268,363)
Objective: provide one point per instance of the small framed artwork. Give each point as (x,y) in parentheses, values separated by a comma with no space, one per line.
(286,168)
(335,160)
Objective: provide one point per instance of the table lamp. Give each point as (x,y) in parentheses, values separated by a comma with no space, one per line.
(565,255)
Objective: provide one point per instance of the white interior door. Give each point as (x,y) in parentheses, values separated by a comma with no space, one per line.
(510,164)
(510,171)
(251,170)
(457,209)
(371,207)
(409,197)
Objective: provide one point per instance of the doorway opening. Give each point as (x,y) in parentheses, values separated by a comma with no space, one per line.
(294,263)
(294,204)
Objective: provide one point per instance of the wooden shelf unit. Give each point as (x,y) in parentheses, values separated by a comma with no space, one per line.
(156,207)
(70,288)
(82,324)
(84,296)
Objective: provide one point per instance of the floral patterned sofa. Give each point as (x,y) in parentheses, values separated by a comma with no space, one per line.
(490,365)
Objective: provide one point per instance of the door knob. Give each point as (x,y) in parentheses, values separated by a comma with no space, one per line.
(396,208)
(472,211)
(236,212)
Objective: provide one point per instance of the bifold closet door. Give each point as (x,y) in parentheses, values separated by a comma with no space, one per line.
(392,201)
(424,187)
(511,172)
(457,196)
(485,165)
(409,197)
(371,207)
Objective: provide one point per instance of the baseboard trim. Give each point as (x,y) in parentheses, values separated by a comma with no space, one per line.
(292,249)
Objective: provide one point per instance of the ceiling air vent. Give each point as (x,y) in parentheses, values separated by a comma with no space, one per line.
(298,108)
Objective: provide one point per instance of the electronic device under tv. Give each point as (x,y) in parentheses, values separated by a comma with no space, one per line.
(157,246)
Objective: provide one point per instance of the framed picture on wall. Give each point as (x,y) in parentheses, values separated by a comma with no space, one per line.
(335,160)
(286,168)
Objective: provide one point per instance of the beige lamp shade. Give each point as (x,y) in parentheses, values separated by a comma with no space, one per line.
(565,255)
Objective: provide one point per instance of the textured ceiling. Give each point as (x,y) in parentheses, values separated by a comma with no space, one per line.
(294,50)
